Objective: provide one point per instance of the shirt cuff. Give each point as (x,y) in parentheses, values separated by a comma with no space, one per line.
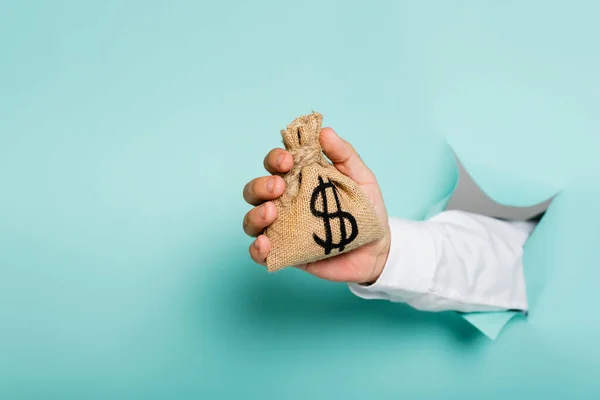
(410,267)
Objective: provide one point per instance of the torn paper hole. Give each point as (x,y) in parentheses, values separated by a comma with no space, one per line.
(468,196)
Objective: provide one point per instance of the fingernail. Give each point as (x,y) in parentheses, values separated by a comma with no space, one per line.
(261,211)
(256,246)
(271,185)
(279,160)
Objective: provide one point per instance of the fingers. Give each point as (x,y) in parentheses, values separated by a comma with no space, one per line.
(259,249)
(278,161)
(257,219)
(344,157)
(263,189)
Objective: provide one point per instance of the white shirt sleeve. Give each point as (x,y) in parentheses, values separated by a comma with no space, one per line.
(455,261)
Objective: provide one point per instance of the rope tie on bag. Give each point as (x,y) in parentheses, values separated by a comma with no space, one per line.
(303,157)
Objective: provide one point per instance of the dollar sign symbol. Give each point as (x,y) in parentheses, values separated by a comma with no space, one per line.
(345,239)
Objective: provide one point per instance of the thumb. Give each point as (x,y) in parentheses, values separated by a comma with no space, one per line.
(345,158)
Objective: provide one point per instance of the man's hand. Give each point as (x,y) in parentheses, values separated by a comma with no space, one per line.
(363,265)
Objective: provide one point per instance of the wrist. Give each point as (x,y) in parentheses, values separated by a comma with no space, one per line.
(381,259)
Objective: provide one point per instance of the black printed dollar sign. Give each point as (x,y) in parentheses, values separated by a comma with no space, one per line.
(345,239)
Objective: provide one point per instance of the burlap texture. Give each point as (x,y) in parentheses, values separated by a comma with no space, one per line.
(309,228)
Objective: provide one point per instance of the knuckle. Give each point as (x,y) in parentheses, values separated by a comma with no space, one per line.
(248,190)
(255,254)
(256,187)
(271,155)
(246,224)
(273,158)
(253,223)
(252,220)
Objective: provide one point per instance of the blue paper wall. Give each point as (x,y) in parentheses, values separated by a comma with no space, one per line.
(128,129)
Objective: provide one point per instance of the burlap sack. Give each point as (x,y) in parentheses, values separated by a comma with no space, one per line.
(322,213)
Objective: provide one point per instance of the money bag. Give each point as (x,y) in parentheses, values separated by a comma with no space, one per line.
(322,212)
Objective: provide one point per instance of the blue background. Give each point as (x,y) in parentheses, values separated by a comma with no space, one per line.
(128,129)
